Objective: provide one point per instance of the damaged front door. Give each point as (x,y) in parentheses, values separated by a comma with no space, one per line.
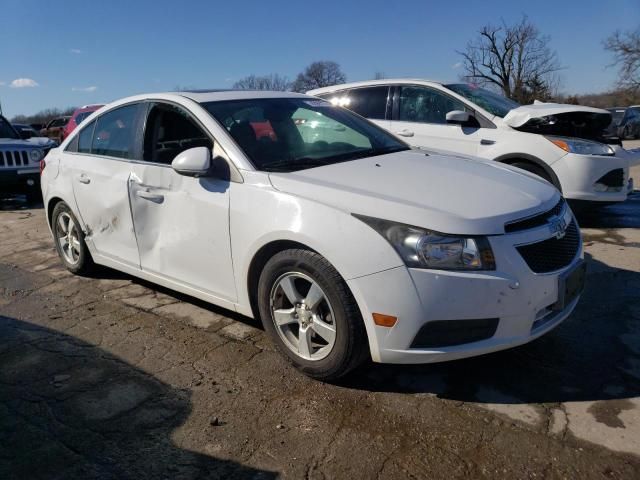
(100,174)
(181,222)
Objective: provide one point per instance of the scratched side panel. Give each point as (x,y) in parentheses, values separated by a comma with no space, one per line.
(184,235)
(103,204)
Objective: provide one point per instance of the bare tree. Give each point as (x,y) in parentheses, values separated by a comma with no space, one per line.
(516,59)
(626,49)
(43,116)
(317,75)
(266,82)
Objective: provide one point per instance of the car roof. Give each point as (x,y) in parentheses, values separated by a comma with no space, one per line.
(221,95)
(384,81)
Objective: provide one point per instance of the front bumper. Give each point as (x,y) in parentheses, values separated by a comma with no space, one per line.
(581,176)
(520,299)
(19,180)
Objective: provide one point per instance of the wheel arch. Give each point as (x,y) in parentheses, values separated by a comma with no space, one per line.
(51,204)
(511,158)
(259,260)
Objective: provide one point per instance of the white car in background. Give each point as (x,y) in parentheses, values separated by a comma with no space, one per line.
(343,240)
(563,144)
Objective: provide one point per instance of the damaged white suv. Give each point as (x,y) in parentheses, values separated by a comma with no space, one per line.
(563,144)
(343,240)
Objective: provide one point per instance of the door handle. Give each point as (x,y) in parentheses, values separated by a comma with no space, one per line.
(484,141)
(405,133)
(83,178)
(147,195)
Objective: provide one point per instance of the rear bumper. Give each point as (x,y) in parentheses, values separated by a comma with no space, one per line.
(20,180)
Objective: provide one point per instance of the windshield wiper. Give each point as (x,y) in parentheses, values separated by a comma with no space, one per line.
(297,164)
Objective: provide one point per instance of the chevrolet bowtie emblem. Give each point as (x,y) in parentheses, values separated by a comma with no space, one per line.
(558,227)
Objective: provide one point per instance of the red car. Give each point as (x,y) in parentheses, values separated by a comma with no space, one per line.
(78,116)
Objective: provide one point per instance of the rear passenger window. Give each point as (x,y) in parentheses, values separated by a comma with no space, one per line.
(170,131)
(115,132)
(368,102)
(85,137)
(425,105)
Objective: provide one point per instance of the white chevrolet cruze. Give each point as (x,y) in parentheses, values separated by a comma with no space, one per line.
(564,144)
(340,238)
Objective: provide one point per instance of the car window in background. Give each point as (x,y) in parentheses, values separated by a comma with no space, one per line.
(425,105)
(58,122)
(616,116)
(81,116)
(370,102)
(288,134)
(114,133)
(493,103)
(6,130)
(170,131)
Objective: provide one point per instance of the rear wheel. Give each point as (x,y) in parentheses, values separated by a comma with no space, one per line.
(69,240)
(310,314)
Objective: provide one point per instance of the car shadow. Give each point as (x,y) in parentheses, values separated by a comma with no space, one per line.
(69,409)
(17,202)
(593,355)
(620,215)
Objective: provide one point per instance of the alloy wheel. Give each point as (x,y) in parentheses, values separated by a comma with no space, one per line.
(303,316)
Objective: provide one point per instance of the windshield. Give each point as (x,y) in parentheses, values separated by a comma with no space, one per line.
(6,130)
(492,102)
(289,134)
(616,116)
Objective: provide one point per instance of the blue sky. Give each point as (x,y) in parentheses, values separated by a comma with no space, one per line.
(76,52)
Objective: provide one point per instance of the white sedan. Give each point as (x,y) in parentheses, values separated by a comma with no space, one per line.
(346,243)
(564,144)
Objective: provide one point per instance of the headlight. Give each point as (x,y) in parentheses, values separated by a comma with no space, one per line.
(35,155)
(580,146)
(421,248)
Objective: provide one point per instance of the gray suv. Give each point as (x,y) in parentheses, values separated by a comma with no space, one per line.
(20,162)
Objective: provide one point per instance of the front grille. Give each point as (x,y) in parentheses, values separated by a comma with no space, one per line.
(554,253)
(615,178)
(536,220)
(447,333)
(14,158)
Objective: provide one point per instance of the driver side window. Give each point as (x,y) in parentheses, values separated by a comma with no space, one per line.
(170,130)
(425,105)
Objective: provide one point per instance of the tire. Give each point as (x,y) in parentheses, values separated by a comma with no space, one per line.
(535,169)
(77,259)
(322,358)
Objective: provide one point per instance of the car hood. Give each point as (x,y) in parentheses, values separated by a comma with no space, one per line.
(34,142)
(444,193)
(559,119)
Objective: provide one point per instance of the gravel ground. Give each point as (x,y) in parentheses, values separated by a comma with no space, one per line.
(111,377)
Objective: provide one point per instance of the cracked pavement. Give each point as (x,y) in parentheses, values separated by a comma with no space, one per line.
(112,377)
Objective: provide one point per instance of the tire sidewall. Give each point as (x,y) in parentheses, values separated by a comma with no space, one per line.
(287,262)
(84,256)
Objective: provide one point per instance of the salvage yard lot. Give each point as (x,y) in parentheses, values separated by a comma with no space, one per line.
(111,377)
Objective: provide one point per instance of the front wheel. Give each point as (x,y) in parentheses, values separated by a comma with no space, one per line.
(310,314)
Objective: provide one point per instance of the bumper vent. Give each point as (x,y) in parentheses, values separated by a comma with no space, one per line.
(447,333)
(536,220)
(14,158)
(615,178)
(554,253)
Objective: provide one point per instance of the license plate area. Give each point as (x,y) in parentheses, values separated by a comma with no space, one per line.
(570,285)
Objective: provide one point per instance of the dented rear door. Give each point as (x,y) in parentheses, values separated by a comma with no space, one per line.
(101,169)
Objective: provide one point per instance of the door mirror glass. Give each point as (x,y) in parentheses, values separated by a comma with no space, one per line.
(458,117)
(194,162)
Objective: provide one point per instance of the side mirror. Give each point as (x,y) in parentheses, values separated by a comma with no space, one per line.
(194,162)
(458,117)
